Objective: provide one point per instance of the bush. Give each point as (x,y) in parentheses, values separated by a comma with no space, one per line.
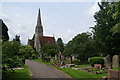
(77,62)
(46,59)
(96,60)
(34,56)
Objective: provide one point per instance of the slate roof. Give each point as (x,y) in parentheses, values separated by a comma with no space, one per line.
(46,39)
(43,40)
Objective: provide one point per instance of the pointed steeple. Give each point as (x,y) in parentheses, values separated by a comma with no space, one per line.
(39,28)
(39,18)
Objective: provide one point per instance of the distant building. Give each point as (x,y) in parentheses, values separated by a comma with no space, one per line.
(3,31)
(39,39)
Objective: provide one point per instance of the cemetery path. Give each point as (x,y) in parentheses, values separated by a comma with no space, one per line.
(40,70)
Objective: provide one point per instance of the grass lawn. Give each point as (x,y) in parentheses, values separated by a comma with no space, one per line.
(116,68)
(80,74)
(19,74)
(79,66)
(76,73)
(38,60)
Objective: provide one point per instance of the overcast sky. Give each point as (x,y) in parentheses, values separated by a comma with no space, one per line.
(63,19)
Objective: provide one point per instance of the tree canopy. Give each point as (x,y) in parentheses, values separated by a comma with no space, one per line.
(10,57)
(60,44)
(26,51)
(107,28)
(81,46)
(49,49)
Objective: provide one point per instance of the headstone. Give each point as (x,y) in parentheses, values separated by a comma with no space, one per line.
(60,59)
(107,62)
(69,60)
(73,57)
(55,57)
(115,61)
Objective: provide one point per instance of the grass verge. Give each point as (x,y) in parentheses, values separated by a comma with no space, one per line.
(19,74)
(116,68)
(79,66)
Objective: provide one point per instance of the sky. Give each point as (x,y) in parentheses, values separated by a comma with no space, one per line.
(61,19)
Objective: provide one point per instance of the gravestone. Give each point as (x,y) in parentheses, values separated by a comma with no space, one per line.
(73,57)
(69,60)
(55,57)
(60,58)
(115,61)
(107,62)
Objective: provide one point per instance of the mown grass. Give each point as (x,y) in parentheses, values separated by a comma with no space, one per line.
(80,74)
(79,66)
(38,60)
(19,74)
(76,73)
(116,68)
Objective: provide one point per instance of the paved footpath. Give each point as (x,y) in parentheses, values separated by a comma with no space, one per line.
(40,70)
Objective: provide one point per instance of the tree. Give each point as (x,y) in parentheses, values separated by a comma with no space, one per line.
(26,52)
(4,32)
(10,57)
(81,46)
(68,51)
(49,49)
(106,30)
(60,44)
(17,38)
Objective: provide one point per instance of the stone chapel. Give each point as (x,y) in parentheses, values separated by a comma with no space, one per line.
(39,39)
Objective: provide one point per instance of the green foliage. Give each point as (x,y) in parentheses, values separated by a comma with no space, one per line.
(115,29)
(18,75)
(106,31)
(10,57)
(14,55)
(49,49)
(96,60)
(4,32)
(80,66)
(26,51)
(116,68)
(77,62)
(60,44)
(17,38)
(82,46)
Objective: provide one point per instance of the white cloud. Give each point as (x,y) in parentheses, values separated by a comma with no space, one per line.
(17,27)
(0,9)
(66,36)
(94,8)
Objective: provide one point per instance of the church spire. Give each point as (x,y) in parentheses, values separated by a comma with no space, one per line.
(39,18)
(39,28)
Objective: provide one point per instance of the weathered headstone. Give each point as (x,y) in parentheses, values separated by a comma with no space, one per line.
(107,62)
(69,60)
(73,57)
(60,58)
(115,61)
(55,57)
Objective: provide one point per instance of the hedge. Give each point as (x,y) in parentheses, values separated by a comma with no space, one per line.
(96,60)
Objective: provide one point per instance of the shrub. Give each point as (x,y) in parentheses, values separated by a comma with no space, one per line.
(46,59)
(96,60)
(34,56)
(77,62)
